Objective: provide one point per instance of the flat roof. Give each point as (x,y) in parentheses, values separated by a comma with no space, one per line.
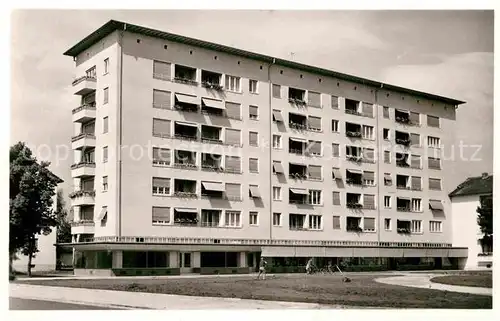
(113,25)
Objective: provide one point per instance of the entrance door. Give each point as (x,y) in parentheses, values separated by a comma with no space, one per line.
(185,261)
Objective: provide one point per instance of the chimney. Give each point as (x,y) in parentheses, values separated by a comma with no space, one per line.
(484,175)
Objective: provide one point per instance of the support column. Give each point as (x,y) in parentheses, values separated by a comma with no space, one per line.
(243,259)
(117,259)
(196,260)
(173,259)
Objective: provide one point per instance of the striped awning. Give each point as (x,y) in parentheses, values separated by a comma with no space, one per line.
(299,140)
(102,214)
(436,205)
(300,191)
(336,173)
(186,210)
(277,116)
(213,103)
(193,100)
(254,191)
(278,168)
(216,187)
(185,123)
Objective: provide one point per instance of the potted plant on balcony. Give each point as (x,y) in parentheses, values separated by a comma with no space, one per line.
(354,205)
(404,230)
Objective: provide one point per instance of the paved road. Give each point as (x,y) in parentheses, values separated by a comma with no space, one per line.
(25,304)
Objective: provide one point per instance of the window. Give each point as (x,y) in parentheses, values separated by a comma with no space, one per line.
(161,127)
(104,183)
(253,165)
(314,148)
(315,197)
(335,150)
(336,222)
(433,142)
(315,222)
(434,163)
(161,215)
(435,184)
(314,123)
(416,205)
(105,125)
(161,156)
(386,133)
(387,224)
(278,168)
(386,112)
(105,154)
(369,224)
(253,218)
(387,179)
(296,221)
(336,198)
(233,218)
(314,99)
(276,193)
(432,121)
(233,137)
(387,201)
(233,83)
(276,91)
(277,141)
(277,116)
(106,66)
(253,112)
(233,164)
(315,172)
(162,70)
(335,102)
(416,226)
(335,126)
(276,219)
(253,86)
(367,132)
(106,95)
(435,226)
(233,110)
(161,186)
(91,73)
(368,178)
(253,139)
(162,99)
(387,157)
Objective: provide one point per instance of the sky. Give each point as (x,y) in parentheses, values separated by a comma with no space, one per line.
(449,53)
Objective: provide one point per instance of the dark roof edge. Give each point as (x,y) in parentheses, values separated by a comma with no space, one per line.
(113,25)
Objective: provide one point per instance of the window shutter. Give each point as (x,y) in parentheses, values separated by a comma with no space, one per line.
(314,147)
(415,139)
(368,110)
(415,161)
(233,110)
(369,176)
(161,214)
(314,99)
(233,164)
(369,223)
(161,182)
(106,95)
(87,185)
(432,121)
(336,222)
(253,111)
(369,201)
(161,70)
(276,91)
(335,102)
(161,127)
(314,172)
(415,118)
(314,122)
(369,154)
(161,99)
(233,191)
(233,136)
(253,165)
(336,198)
(434,163)
(386,112)
(416,183)
(253,138)
(161,154)
(434,184)
(387,157)
(335,150)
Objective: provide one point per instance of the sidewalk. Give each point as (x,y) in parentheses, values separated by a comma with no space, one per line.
(140,300)
(424,281)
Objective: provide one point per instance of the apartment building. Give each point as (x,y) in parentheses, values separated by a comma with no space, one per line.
(192,156)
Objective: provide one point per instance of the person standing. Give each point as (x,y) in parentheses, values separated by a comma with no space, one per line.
(262,268)
(309,266)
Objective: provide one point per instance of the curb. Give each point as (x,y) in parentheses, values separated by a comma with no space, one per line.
(93,304)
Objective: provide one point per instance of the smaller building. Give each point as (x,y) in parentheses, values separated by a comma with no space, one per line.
(465,200)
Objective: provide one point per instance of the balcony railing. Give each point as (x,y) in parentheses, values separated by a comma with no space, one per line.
(212,140)
(354,158)
(210,85)
(298,176)
(186,81)
(83,222)
(210,224)
(402,164)
(83,164)
(403,141)
(82,193)
(186,221)
(354,228)
(403,187)
(297,101)
(297,228)
(353,112)
(404,230)
(296,151)
(299,201)
(185,165)
(403,120)
(83,107)
(219,196)
(354,205)
(185,194)
(212,168)
(83,78)
(297,126)
(185,137)
(356,134)
(190,109)
(352,181)
(82,135)
(404,209)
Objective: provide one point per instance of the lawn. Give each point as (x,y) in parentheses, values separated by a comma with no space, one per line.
(362,291)
(484,280)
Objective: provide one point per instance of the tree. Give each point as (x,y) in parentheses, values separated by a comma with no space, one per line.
(63,226)
(485,221)
(32,187)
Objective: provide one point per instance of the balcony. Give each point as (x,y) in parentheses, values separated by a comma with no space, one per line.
(402,117)
(297,146)
(297,196)
(84,85)
(297,171)
(296,97)
(82,197)
(84,113)
(353,224)
(402,160)
(211,80)
(353,201)
(352,107)
(83,140)
(184,188)
(185,217)
(403,139)
(185,75)
(354,177)
(403,227)
(211,162)
(296,222)
(403,182)
(211,135)
(298,122)
(210,218)
(83,226)
(83,169)
(186,131)
(403,204)
(186,103)
(353,130)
